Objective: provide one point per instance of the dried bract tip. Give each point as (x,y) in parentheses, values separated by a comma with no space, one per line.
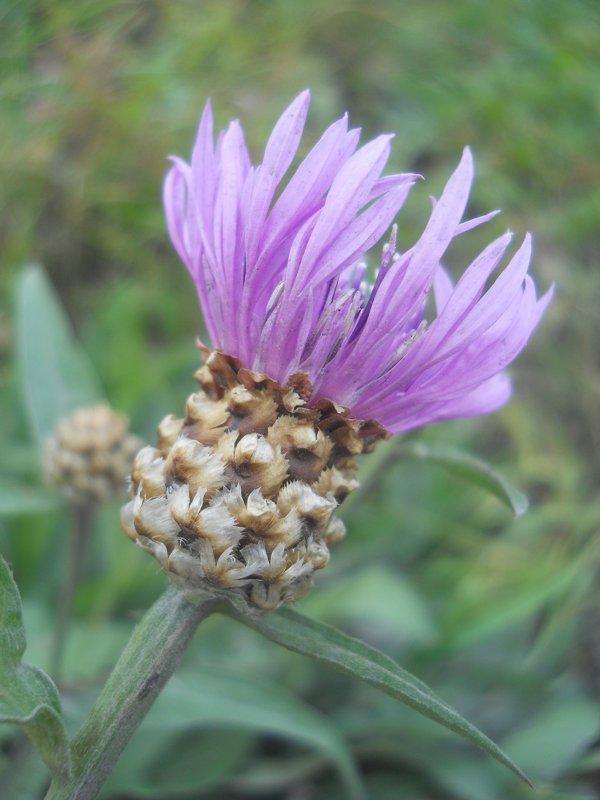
(241,493)
(205,420)
(90,454)
(168,430)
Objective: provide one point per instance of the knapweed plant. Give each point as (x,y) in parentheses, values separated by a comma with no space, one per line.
(308,365)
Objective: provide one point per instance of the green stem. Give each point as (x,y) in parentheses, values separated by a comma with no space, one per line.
(81,529)
(148,661)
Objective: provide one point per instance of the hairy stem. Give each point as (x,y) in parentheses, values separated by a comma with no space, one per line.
(148,661)
(81,529)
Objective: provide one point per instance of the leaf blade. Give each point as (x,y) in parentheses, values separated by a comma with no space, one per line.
(18,499)
(55,372)
(28,696)
(212,696)
(309,637)
(240,701)
(472,469)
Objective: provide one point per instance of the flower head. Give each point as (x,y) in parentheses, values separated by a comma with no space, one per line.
(280,275)
(311,364)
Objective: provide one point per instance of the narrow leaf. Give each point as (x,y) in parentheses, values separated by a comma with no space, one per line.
(56,375)
(296,632)
(377,596)
(17,499)
(552,740)
(187,762)
(472,469)
(27,695)
(213,697)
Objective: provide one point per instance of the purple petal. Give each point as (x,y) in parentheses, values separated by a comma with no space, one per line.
(360,235)
(348,194)
(281,282)
(279,153)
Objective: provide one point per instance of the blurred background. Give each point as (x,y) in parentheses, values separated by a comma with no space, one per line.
(501,616)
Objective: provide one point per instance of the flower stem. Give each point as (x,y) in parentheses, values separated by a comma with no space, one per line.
(148,661)
(81,529)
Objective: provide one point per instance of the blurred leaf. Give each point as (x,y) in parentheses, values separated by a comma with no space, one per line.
(265,776)
(19,459)
(465,777)
(56,375)
(214,697)
(552,741)
(92,648)
(379,597)
(158,764)
(472,469)
(474,616)
(26,775)
(17,499)
(329,645)
(27,695)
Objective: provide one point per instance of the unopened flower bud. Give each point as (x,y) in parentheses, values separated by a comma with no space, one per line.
(90,453)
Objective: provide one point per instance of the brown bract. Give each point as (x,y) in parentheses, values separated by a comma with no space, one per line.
(241,492)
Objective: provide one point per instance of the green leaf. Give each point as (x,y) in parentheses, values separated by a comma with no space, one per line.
(159,763)
(56,375)
(464,776)
(17,499)
(475,615)
(378,597)
(24,775)
(27,695)
(216,697)
(92,648)
(551,741)
(330,646)
(472,469)
(267,776)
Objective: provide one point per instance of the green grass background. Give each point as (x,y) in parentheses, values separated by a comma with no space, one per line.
(502,617)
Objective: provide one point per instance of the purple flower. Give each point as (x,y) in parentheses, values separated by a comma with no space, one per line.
(281,279)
